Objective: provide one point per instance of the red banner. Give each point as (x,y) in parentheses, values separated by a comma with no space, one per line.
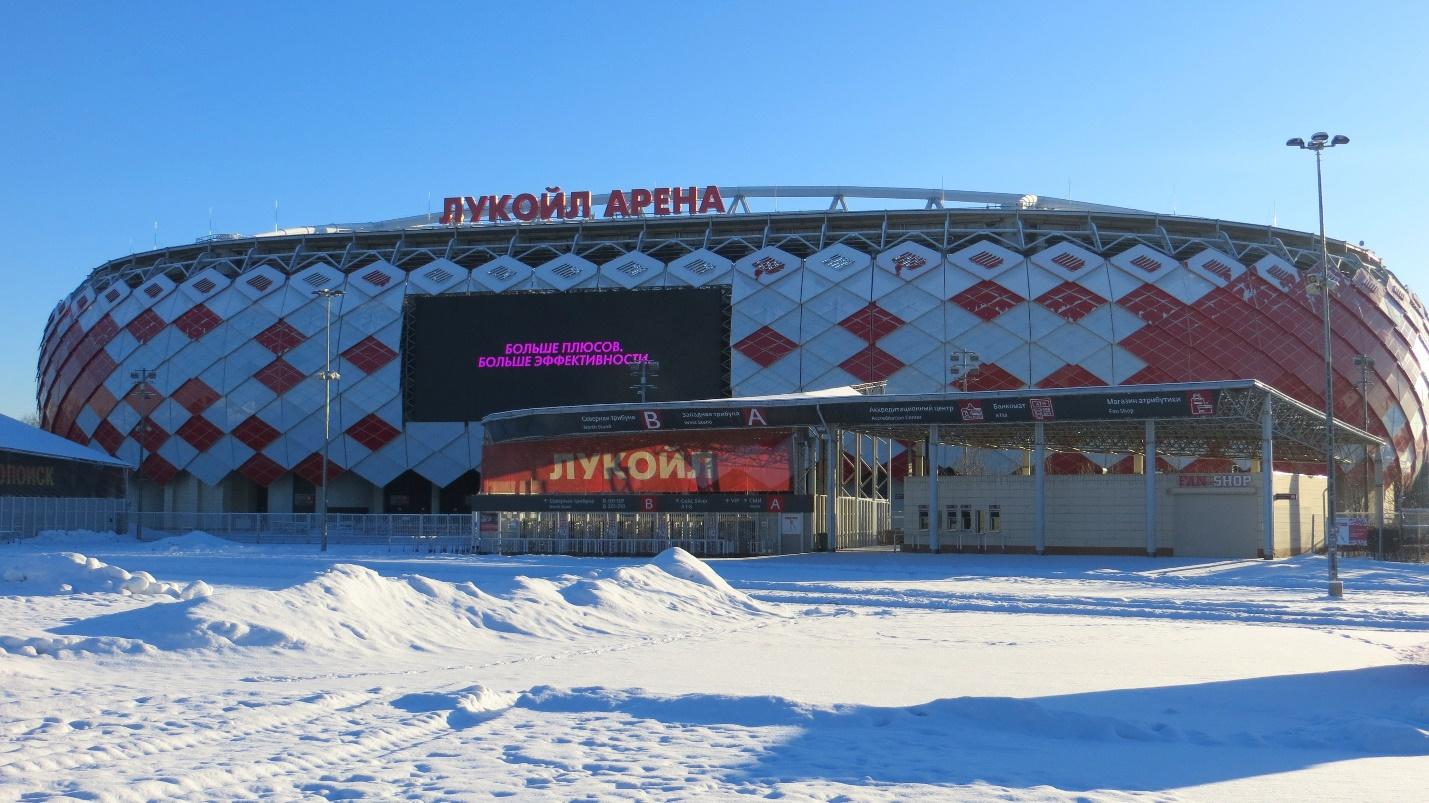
(733,462)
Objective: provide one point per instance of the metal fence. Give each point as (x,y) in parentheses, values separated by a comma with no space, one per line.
(27,516)
(1410,536)
(861,522)
(589,533)
(417,532)
(603,547)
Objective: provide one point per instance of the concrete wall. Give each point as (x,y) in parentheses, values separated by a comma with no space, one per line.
(1299,523)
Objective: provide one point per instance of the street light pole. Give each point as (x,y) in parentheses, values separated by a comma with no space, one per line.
(962,364)
(1365,363)
(643,372)
(328,376)
(144,391)
(1319,141)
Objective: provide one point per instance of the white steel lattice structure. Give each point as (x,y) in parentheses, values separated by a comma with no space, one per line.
(1049,293)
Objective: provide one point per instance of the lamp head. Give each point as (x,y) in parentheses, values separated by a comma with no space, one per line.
(1295,143)
(1319,137)
(1340,139)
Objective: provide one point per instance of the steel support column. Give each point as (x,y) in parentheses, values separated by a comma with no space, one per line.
(1039,486)
(831,500)
(1149,475)
(934,543)
(1267,477)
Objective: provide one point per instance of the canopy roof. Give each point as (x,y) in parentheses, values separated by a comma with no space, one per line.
(17,436)
(1193,419)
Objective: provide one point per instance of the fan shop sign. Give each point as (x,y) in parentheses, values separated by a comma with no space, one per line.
(872,411)
(557,204)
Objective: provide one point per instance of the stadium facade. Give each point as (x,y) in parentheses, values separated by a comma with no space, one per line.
(202,360)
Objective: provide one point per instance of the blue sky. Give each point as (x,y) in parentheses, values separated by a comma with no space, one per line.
(118,116)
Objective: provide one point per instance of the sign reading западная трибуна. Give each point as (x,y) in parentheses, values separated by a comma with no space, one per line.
(556,204)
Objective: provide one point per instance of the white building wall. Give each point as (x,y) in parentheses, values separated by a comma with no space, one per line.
(1107,513)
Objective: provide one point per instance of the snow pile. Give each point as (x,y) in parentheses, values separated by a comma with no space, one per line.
(73,573)
(469,706)
(196,541)
(193,541)
(77,539)
(352,607)
(949,720)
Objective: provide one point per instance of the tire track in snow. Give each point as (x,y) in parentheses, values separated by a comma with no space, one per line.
(1240,610)
(308,764)
(252,723)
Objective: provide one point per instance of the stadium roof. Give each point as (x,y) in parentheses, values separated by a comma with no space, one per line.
(837,197)
(17,436)
(1109,420)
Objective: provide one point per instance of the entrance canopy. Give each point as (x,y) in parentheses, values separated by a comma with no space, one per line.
(1194,419)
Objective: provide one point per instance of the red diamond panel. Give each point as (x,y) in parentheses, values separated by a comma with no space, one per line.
(1150,303)
(765,346)
(261,469)
(102,401)
(280,338)
(156,469)
(195,396)
(197,322)
(872,323)
(1150,375)
(255,433)
(871,364)
(1071,463)
(149,435)
(1070,376)
(199,432)
(369,354)
(144,398)
(108,437)
(1171,350)
(989,376)
(310,468)
(1070,300)
(987,299)
(145,325)
(373,432)
(279,375)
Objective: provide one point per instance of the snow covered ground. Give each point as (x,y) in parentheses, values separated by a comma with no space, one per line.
(194,668)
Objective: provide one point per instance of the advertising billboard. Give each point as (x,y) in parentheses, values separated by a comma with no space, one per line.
(474,354)
(730,462)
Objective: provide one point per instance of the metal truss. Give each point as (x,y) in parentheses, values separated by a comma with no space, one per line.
(1024,229)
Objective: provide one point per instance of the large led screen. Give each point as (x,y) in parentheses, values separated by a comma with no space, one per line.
(470,355)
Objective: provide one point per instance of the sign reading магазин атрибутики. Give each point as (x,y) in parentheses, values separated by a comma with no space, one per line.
(562,354)
(557,204)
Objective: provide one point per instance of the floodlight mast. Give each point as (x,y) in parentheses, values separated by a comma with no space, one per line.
(1319,141)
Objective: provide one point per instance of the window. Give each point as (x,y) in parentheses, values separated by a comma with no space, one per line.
(994,518)
(951,518)
(979,520)
(967,516)
(922,517)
